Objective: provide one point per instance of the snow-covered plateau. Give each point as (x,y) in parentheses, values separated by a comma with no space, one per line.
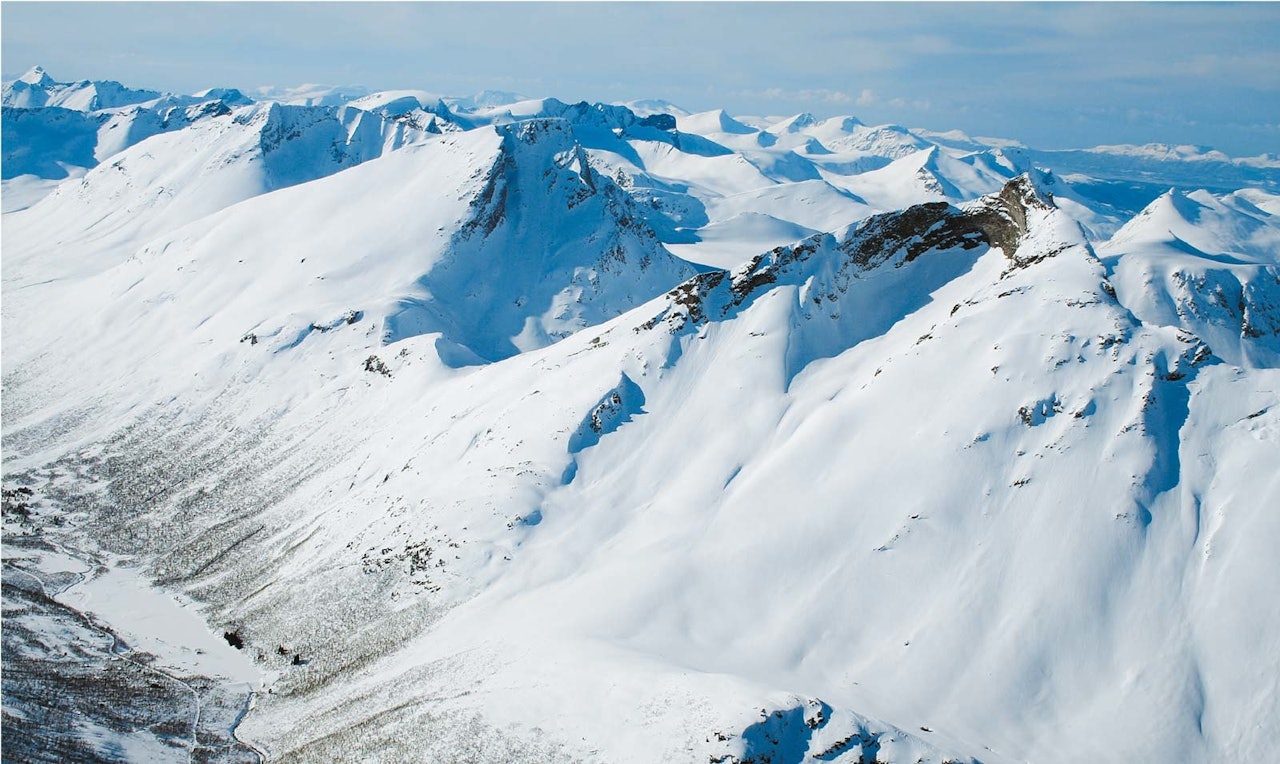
(365,426)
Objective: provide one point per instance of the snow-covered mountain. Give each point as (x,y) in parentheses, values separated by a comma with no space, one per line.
(36,88)
(502,429)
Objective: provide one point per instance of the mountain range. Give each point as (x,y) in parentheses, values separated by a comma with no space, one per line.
(405,427)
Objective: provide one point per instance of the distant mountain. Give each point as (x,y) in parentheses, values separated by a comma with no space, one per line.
(53,130)
(485,99)
(313,94)
(1208,266)
(36,88)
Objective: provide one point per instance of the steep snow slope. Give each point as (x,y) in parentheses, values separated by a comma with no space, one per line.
(178,177)
(521,245)
(297,142)
(52,142)
(757,553)
(48,143)
(713,124)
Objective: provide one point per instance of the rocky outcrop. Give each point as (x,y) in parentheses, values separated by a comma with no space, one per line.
(1001,221)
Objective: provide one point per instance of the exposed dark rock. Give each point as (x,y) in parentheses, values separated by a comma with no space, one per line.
(375,364)
(998,220)
(912,232)
(659,122)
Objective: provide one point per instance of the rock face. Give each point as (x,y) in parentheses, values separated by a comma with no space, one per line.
(540,282)
(659,122)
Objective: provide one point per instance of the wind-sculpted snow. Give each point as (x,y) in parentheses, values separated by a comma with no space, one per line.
(614,410)
(412,399)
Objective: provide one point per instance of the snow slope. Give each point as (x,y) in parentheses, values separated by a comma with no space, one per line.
(403,263)
(174,178)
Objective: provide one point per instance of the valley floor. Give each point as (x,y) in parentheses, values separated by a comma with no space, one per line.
(74,690)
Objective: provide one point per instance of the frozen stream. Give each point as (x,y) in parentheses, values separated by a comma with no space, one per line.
(101,666)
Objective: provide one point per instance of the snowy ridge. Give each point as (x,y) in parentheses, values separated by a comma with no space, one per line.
(405,280)
(55,129)
(838,259)
(36,88)
(201,166)
(56,136)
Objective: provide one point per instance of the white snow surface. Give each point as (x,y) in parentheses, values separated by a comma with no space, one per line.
(474,421)
(157,623)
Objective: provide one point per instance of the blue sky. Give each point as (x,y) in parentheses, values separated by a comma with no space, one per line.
(1053,75)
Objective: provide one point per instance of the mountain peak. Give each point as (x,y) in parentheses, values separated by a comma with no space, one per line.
(712,122)
(548,246)
(795,124)
(229,96)
(849,124)
(1028,191)
(490,98)
(36,75)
